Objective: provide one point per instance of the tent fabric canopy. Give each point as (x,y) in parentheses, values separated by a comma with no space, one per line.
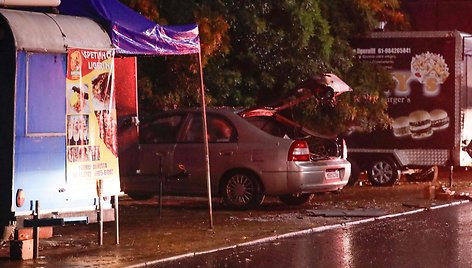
(132,33)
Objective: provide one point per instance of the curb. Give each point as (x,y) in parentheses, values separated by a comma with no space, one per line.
(295,233)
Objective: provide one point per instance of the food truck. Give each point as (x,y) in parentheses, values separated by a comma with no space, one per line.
(430,105)
(65,80)
(58,134)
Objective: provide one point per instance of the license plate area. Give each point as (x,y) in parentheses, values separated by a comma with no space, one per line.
(332,174)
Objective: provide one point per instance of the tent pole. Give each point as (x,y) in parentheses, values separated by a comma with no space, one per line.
(205,140)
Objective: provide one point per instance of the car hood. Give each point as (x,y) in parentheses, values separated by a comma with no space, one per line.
(328,80)
(327,86)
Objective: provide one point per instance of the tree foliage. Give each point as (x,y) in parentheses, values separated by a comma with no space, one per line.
(386,10)
(254,52)
(174,81)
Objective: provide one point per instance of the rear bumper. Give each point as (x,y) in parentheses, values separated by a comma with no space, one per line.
(309,177)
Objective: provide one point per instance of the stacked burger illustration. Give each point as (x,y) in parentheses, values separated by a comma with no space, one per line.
(401,127)
(420,124)
(439,119)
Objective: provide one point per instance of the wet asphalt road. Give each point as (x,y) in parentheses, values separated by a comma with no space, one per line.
(436,238)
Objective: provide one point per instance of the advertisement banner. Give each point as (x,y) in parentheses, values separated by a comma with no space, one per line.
(92,154)
(422,103)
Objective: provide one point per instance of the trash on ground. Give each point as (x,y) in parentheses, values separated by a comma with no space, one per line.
(335,212)
(444,193)
(419,204)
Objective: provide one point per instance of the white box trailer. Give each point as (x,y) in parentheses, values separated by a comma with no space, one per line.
(430,107)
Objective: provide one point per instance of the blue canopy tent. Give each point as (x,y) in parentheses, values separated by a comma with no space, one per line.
(133,34)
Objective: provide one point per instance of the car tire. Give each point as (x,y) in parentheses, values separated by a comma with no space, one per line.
(383,172)
(242,190)
(140,195)
(295,199)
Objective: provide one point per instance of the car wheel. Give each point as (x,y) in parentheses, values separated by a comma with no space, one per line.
(242,190)
(383,172)
(140,195)
(295,199)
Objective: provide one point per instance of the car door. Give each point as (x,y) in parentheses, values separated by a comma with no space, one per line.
(189,153)
(157,142)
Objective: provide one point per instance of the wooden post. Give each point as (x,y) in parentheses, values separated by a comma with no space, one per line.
(117,221)
(100,212)
(451,176)
(205,141)
(36,232)
(160,196)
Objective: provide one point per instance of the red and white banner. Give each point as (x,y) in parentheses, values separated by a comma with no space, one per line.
(92,153)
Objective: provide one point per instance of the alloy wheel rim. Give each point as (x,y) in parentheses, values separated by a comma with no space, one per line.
(382,172)
(240,189)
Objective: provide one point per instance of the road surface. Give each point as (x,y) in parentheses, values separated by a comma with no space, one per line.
(436,238)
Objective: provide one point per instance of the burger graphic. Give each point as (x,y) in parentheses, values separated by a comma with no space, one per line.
(439,119)
(420,124)
(401,127)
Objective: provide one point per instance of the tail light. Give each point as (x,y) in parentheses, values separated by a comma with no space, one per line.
(344,149)
(299,151)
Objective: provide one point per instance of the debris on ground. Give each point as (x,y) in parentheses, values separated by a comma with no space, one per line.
(444,193)
(146,235)
(429,174)
(336,212)
(463,196)
(419,204)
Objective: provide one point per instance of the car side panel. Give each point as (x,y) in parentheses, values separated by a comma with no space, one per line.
(192,157)
(152,164)
(268,159)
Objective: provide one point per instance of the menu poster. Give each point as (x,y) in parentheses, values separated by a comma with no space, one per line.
(91,133)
